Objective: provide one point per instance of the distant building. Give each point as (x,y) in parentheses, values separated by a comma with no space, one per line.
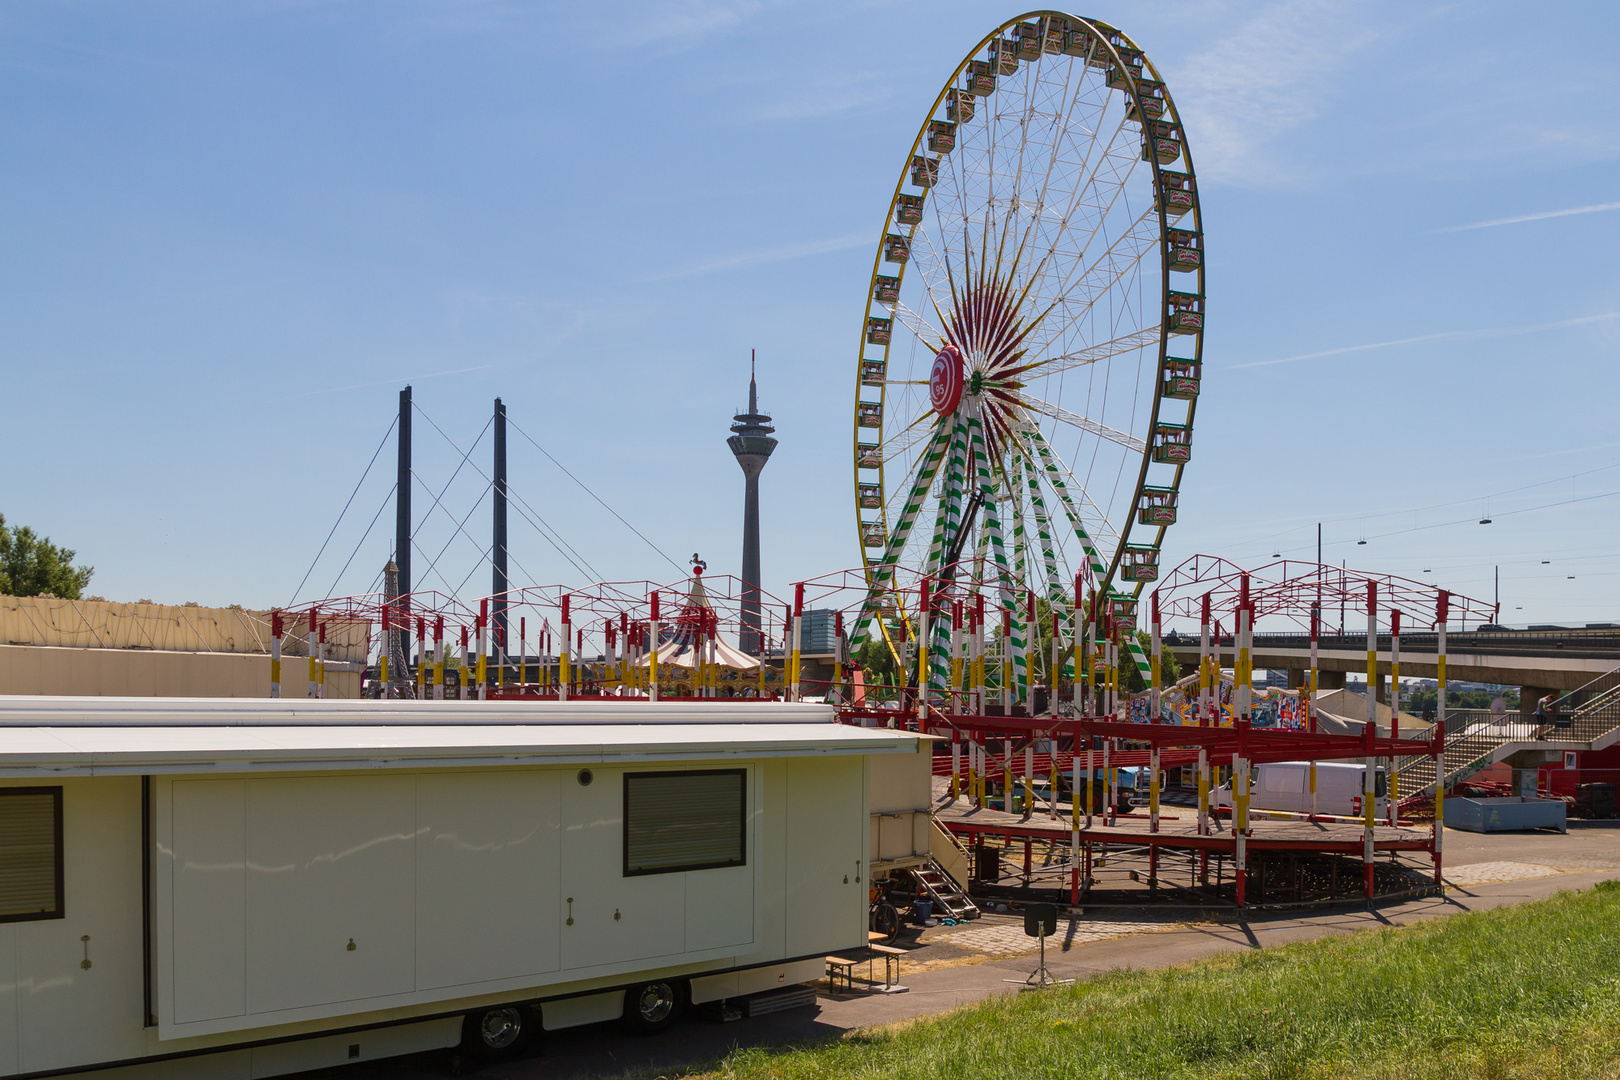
(751,444)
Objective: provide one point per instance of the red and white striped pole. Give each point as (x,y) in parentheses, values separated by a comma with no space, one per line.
(310,648)
(276,630)
(652,649)
(1442,612)
(483,647)
(1394,708)
(465,691)
(1370,763)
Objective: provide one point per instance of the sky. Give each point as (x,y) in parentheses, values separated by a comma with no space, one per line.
(231,233)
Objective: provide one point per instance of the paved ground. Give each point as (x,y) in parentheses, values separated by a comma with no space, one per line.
(960,965)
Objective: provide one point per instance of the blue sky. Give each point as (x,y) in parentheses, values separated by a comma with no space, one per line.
(232,232)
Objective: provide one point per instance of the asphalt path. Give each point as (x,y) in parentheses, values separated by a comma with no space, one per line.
(605,1050)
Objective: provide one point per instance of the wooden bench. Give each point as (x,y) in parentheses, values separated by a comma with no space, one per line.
(839,968)
(891,963)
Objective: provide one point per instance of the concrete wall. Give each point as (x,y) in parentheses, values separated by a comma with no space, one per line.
(40,669)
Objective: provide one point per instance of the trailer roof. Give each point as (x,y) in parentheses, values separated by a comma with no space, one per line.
(107,736)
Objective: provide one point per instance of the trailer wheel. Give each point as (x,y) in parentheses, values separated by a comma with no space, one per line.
(652,1007)
(497,1034)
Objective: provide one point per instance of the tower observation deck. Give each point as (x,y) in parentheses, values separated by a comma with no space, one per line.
(751,444)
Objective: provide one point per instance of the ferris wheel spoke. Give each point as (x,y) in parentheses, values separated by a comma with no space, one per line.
(1092,282)
(909,436)
(1090,427)
(1054,365)
(925,331)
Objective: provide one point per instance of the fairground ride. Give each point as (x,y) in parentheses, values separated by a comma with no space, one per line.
(1031,347)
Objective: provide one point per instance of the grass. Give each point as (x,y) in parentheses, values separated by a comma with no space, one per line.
(1525,991)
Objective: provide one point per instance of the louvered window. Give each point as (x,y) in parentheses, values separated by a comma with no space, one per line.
(684,821)
(30,853)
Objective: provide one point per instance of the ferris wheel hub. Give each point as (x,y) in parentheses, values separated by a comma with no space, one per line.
(945,381)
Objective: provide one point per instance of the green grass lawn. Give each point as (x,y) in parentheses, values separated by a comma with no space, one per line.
(1526,991)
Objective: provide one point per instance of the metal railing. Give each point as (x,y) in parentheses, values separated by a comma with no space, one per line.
(1474,736)
(1595,642)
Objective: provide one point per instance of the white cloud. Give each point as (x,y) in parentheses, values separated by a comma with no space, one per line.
(684,24)
(760,257)
(1263,80)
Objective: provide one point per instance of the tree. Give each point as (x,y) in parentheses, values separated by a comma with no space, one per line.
(30,565)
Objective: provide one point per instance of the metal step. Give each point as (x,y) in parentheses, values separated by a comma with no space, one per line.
(949,901)
(771,1001)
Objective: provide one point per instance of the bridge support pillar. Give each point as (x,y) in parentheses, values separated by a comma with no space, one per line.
(1529,695)
(1330,680)
(1297,677)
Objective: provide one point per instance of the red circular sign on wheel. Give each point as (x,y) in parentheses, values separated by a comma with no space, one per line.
(945,384)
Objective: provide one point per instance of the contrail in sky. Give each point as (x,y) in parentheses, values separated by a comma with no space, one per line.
(1446,335)
(1597,208)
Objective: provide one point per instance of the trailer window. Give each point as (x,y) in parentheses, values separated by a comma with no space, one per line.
(30,853)
(684,820)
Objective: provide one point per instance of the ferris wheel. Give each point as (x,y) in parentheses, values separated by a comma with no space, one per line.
(1030,353)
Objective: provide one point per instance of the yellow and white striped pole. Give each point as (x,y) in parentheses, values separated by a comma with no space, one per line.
(465,691)
(565,675)
(1203,791)
(798,641)
(1204,699)
(956,658)
(1153,670)
(1079,651)
(422,658)
(382,654)
(924,615)
(1091,779)
(1006,661)
(652,651)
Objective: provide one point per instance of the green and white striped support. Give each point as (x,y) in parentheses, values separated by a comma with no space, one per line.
(947,525)
(992,528)
(1020,619)
(992,518)
(1057,593)
(1054,476)
(1099,567)
(883,573)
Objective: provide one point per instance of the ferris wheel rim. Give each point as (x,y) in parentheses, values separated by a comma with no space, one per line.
(1101,34)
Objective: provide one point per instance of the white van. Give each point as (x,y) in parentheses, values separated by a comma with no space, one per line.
(1286,785)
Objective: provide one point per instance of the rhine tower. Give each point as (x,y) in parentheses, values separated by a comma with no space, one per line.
(752,444)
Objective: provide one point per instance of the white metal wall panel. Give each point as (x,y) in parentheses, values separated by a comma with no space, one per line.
(486,876)
(10,1056)
(67,1014)
(615,919)
(331,863)
(720,908)
(210,899)
(826,868)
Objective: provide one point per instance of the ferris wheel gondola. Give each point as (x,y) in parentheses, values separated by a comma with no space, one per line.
(1031,346)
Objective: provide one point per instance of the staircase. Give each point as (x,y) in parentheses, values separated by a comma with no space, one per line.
(1476,739)
(949,901)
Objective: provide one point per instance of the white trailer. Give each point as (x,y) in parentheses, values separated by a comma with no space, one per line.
(1285,785)
(241,888)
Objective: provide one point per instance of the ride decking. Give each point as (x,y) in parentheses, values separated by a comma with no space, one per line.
(1178,828)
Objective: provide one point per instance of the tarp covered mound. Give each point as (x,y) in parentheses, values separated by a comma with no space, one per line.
(679,643)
